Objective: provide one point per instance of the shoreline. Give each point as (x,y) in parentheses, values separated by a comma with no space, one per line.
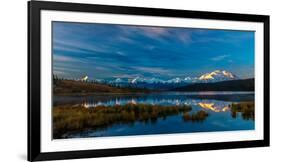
(158,92)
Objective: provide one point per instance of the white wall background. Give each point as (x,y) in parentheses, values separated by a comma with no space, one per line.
(13,80)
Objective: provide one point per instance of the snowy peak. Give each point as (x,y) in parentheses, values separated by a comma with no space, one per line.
(118,81)
(215,76)
(135,80)
(218,75)
(144,80)
(174,80)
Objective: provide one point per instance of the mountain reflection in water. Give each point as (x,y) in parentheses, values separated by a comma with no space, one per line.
(214,107)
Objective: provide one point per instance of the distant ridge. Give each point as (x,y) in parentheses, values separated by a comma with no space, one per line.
(231,85)
(68,87)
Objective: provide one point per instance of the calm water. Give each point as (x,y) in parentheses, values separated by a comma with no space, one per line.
(217,104)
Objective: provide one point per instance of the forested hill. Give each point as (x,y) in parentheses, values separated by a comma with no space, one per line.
(64,87)
(232,85)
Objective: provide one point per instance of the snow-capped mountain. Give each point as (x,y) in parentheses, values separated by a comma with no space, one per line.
(118,80)
(145,80)
(136,80)
(175,80)
(153,80)
(217,75)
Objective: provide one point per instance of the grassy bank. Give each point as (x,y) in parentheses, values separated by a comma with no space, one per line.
(70,119)
(247,110)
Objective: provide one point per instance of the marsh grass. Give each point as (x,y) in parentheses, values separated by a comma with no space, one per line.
(199,116)
(68,119)
(247,110)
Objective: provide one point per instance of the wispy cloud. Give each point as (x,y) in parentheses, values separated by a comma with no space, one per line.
(130,76)
(57,68)
(57,72)
(64,59)
(155,33)
(155,70)
(62,71)
(220,57)
(125,39)
(79,47)
(147,31)
(184,37)
(121,53)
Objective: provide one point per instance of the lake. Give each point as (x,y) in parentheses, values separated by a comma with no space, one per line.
(221,115)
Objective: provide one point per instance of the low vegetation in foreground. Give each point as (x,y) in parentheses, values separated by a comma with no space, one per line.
(247,110)
(70,119)
(195,117)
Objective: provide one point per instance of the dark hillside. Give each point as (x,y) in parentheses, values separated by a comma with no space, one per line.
(64,87)
(232,85)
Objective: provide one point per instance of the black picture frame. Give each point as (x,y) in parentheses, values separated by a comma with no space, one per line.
(34,81)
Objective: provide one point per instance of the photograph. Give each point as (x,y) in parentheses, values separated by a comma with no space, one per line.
(118,80)
(113,80)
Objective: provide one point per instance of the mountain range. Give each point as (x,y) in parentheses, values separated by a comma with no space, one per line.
(214,76)
(161,84)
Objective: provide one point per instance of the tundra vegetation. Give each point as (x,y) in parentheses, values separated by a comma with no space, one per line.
(247,110)
(70,119)
(199,116)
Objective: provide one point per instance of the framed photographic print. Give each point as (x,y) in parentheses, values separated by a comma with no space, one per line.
(115,80)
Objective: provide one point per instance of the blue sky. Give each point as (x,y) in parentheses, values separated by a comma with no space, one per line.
(106,51)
